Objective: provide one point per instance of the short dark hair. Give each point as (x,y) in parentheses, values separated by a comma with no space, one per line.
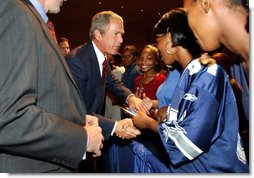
(176,23)
(62,39)
(101,21)
(132,49)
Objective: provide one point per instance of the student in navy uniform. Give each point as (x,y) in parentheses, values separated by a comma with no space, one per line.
(216,22)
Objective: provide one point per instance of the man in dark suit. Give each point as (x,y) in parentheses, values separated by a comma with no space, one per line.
(43,121)
(87,65)
(106,34)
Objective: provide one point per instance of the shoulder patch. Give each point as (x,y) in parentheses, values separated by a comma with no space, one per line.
(194,67)
(212,69)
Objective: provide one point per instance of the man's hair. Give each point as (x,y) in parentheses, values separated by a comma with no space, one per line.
(63,39)
(101,21)
(132,49)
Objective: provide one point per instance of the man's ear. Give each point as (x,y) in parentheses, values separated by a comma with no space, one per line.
(206,5)
(97,34)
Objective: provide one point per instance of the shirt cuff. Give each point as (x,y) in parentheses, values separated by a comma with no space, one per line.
(84,156)
(114,128)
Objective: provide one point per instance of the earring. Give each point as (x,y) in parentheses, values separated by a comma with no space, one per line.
(169,48)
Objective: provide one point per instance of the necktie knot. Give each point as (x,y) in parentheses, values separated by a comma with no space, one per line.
(50,25)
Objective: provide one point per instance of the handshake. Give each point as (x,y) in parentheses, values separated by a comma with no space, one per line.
(124,129)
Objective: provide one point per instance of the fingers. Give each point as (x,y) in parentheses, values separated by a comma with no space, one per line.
(95,139)
(127,123)
(128,133)
(91,120)
(132,131)
(143,107)
(97,152)
(138,104)
(147,101)
(207,60)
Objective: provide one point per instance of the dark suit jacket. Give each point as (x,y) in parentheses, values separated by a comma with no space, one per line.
(85,69)
(41,110)
(130,75)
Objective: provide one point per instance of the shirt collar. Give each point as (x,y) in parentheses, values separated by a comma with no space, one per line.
(99,54)
(40,10)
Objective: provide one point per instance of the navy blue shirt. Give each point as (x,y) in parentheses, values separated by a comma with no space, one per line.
(129,76)
(201,133)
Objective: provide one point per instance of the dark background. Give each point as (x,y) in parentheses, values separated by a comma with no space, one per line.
(140,16)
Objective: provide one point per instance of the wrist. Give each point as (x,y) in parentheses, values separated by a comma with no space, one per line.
(149,124)
(128,97)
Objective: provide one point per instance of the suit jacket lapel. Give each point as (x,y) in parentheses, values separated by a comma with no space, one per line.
(51,39)
(100,87)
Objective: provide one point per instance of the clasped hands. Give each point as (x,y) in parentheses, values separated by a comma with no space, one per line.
(145,118)
(126,130)
(94,134)
(143,121)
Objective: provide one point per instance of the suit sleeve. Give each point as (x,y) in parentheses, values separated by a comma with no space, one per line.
(116,87)
(107,126)
(27,128)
